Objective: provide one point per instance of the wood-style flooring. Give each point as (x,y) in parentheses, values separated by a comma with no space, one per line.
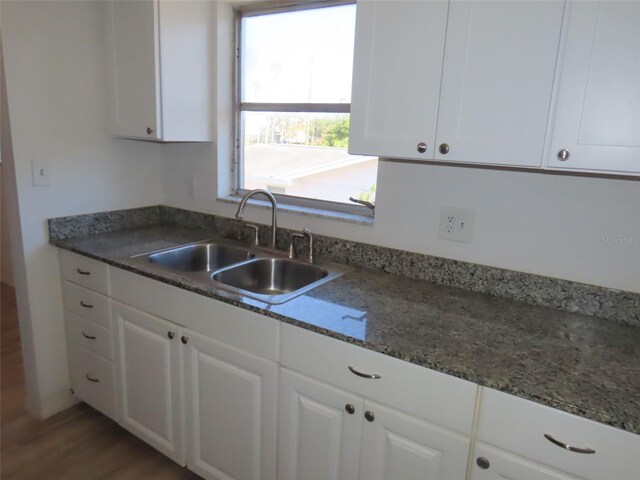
(77,444)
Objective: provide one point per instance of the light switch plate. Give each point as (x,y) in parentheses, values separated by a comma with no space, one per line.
(40,172)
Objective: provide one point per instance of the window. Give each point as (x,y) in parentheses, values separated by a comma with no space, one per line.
(293,101)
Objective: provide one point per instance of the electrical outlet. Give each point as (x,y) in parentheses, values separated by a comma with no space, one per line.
(456,224)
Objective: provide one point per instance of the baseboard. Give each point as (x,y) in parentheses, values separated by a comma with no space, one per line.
(48,408)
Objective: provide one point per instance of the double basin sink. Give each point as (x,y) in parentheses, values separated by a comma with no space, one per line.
(259,273)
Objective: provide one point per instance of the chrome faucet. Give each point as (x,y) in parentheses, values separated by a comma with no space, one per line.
(274,206)
(292,249)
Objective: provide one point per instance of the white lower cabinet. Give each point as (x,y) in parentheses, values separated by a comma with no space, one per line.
(93,379)
(320,428)
(205,388)
(231,411)
(327,433)
(492,464)
(565,442)
(202,403)
(150,377)
(397,446)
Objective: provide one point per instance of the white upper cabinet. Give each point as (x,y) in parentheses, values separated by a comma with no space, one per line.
(497,79)
(487,92)
(396,77)
(161,69)
(597,116)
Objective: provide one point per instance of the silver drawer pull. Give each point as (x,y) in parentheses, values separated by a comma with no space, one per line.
(82,272)
(85,305)
(91,379)
(566,446)
(372,376)
(90,337)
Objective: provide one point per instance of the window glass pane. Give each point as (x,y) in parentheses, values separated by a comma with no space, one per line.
(305,155)
(298,57)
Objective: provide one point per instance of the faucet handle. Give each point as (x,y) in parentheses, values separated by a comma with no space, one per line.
(308,233)
(292,247)
(305,233)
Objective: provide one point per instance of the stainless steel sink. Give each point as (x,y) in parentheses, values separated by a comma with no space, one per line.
(275,280)
(202,257)
(255,272)
(270,276)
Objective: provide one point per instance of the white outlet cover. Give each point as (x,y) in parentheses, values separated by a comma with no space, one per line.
(456,224)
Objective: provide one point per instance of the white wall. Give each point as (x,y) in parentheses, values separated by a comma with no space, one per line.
(6,265)
(55,56)
(540,223)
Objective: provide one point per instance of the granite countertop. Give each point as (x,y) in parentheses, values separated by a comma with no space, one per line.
(575,363)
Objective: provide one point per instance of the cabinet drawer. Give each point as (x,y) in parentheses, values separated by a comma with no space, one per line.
(90,335)
(432,396)
(85,271)
(86,303)
(93,379)
(519,426)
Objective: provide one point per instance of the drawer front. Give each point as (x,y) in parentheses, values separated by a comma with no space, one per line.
(93,380)
(85,271)
(519,426)
(419,391)
(90,335)
(88,304)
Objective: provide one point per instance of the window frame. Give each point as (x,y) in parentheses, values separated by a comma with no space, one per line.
(237,170)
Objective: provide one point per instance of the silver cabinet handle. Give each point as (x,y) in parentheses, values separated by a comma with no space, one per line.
(350,408)
(91,379)
(563,155)
(369,416)
(85,305)
(566,446)
(82,272)
(372,376)
(90,337)
(444,148)
(422,147)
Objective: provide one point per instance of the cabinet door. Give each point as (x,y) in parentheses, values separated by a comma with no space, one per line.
(150,376)
(231,411)
(134,30)
(597,118)
(500,465)
(397,446)
(396,77)
(318,438)
(497,79)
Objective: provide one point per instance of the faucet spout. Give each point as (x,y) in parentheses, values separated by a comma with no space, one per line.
(274,207)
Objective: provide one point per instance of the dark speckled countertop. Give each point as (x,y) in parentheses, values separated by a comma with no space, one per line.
(576,363)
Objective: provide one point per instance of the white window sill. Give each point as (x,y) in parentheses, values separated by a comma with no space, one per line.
(309,212)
